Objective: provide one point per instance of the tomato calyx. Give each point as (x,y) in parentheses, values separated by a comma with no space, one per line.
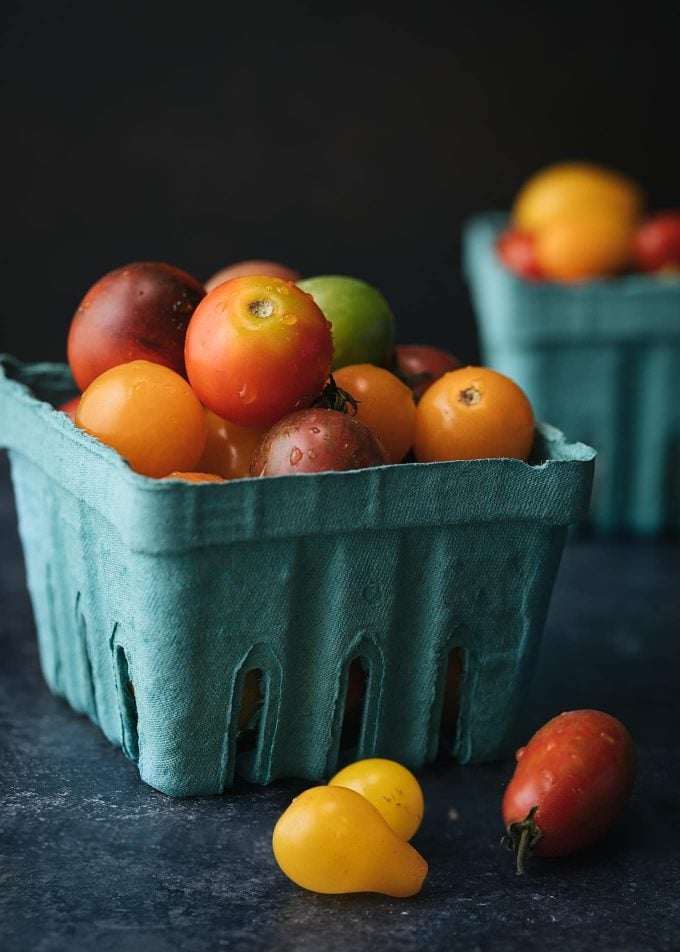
(521,837)
(333,397)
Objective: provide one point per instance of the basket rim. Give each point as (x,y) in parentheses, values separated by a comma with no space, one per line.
(554,491)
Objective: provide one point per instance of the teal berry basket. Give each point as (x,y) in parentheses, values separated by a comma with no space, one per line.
(153,599)
(601,359)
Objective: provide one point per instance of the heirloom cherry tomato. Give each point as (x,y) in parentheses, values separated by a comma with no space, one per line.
(657,242)
(139,312)
(591,244)
(571,783)
(419,365)
(385,405)
(149,414)
(391,788)
(257,348)
(332,840)
(242,268)
(363,324)
(196,477)
(517,251)
(473,413)
(572,188)
(229,449)
(70,407)
(313,441)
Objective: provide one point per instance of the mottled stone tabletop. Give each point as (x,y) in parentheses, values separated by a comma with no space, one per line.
(92,859)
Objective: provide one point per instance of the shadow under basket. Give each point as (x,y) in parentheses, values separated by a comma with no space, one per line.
(273,627)
(601,359)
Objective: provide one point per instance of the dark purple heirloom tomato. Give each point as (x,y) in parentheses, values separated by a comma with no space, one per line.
(316,440)
(138,312)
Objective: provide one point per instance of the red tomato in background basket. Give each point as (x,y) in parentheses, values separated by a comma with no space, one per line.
(149,414)
(657,242)
(258,348)
(419,365)
(242,268)
(314,441)
(138,312)
(517,251)
(571,783)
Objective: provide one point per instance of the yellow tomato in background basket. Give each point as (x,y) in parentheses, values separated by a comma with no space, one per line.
(571,188)
(391,788)
(332,840)
(595,243)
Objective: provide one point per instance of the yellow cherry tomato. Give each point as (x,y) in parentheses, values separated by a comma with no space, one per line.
(149,414)
(571,188)
(592,244)
(391,788)
(229,449)
(332,840)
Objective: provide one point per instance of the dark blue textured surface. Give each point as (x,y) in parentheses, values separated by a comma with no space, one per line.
(91,858)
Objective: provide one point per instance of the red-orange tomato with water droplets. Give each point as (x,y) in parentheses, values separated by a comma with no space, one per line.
(258,348)
(571,783)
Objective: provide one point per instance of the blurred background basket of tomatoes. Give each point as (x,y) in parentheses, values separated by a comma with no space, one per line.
(577,298)
(274,627)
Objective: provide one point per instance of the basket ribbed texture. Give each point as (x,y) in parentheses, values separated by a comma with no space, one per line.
(601,359)
(181,589)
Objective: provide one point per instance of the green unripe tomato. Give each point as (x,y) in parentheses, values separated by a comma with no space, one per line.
(363,323)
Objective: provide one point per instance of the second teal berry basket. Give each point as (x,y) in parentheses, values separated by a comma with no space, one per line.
(601,359)
(179,590)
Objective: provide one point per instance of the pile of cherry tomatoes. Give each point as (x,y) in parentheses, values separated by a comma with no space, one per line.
(263,373)
(576,221)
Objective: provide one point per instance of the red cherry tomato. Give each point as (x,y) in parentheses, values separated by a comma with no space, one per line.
(313,441)
(571,783)
(419,365)
(272,268)
(657,242)
(517,251)
(139,312)
(258,348)
(70,407)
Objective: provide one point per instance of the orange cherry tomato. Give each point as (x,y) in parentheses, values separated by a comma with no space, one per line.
(593,244)
(386,406)
(258,348)
(149,414)
(229,449)
(473,413)
(196,477)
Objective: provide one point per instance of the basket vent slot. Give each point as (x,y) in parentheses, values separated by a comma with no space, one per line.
(354,704)
(90,698)
(453,676)
(253,697)
(127,705)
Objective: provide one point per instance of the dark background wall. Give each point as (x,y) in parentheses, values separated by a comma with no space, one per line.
(350,142)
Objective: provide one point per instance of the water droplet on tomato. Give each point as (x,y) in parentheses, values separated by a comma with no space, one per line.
(314,429)
(549,777)
(247,393)
(295,456)
(311,453)
(289,319)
